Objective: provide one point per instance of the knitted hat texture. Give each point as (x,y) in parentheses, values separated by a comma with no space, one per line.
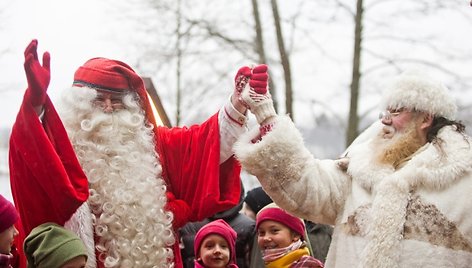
(8,214)
(50,245)
(274,213)
(219,227)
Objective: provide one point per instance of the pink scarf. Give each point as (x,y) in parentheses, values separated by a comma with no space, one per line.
(270,255)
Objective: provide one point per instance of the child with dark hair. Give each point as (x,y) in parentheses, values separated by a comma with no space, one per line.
(8,217)
(281,237)
(254,201)
(215,246)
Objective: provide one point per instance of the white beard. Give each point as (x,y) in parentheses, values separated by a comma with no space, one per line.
(127,192)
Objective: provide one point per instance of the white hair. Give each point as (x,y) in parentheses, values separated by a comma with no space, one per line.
(127,192)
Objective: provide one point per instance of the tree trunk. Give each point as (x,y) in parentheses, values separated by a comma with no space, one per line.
(179,65)
(353,123)
(260,49)
(284,59)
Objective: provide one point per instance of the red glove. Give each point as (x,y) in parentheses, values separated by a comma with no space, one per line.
(259,79)
(240,80)
(38,75)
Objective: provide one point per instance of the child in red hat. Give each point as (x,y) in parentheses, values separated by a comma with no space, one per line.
(281,237)
(215,246)
(8,217)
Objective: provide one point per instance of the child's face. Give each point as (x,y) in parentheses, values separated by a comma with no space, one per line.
(6,239)
(214,251)
(272,234)
(77,262)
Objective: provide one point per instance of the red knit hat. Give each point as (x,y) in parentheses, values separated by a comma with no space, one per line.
(8,214)
(219,227)
(115,76)
(274,213)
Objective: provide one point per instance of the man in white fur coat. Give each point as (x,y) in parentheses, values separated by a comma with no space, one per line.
(399,197)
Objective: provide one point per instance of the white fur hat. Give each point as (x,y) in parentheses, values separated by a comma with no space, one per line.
(415,90)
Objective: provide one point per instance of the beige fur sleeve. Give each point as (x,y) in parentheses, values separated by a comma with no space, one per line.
(310,188)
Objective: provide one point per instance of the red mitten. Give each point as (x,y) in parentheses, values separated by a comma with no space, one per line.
(259,79)
(38,75)
(240,80)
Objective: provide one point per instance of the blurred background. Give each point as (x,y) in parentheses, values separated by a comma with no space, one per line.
(329,60)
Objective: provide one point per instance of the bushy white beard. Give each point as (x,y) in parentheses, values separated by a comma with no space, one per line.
(127,193)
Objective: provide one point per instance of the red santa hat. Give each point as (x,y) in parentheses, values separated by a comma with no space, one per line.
(416,91)
(219,227)
(8,214)
(274,213)
(115,76)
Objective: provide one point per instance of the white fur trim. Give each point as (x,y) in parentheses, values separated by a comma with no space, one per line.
(269,156)
(284,166)
(81,224)
(420,92)
(434,167)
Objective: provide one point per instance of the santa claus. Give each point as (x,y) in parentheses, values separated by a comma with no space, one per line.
(101,167)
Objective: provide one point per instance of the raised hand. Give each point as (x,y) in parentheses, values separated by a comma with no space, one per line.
(38,75)
(259,79)
(240,81)
(256,96)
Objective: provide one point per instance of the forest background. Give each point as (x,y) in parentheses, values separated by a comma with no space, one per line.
(329,60)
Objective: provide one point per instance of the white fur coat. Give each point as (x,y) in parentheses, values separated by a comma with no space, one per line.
(416,216)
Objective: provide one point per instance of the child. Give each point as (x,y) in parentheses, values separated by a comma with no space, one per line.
(8,217)
(281,237)
(215,246)
(50,245)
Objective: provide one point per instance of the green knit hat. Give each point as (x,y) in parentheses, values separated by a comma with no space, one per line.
(50,245)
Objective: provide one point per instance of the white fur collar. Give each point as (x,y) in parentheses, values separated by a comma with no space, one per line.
(434,167)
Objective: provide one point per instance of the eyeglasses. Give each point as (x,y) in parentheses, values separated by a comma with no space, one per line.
(107,99)
(388,115)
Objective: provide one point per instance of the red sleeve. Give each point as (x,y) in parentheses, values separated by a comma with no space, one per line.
(190,162)
(47,182)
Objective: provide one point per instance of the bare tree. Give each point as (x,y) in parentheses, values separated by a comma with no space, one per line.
(417,9)
(353,121)
(260,49)
(179,64)
(284,60)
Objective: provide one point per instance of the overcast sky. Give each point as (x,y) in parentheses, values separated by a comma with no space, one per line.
(74,31)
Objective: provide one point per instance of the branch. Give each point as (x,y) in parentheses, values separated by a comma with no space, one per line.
(237,44)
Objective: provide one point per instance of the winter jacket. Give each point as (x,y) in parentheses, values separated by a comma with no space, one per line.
(5,260)
(320,236)
(415,216)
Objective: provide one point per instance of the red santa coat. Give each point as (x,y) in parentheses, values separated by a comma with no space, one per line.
(48,183)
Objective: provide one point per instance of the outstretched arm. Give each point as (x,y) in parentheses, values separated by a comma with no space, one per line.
(275,153)
(47,181)
(232,117)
